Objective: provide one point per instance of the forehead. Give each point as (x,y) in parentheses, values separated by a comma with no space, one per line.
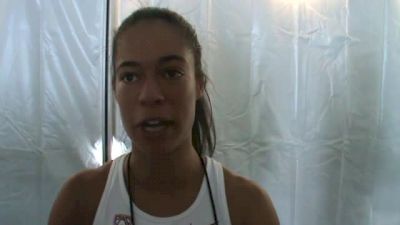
(148,40)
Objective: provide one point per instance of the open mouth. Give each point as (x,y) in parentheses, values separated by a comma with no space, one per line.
(155,125)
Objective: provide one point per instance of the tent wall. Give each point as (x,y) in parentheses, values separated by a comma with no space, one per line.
(51,78)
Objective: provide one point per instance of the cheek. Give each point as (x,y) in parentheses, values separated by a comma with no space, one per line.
(124,93)
(186,105)
(125,101)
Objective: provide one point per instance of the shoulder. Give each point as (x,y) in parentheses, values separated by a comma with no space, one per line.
(248,202)
(78,198)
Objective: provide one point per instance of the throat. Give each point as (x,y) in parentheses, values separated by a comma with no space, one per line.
(165,191)
(165,176)
(166,184)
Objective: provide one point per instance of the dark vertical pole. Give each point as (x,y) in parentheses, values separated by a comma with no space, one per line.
(106,87)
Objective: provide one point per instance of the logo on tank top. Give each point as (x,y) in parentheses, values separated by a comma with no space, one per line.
(121,219)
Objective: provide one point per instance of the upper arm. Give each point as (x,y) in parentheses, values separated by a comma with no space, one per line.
(65,208)
(248,202)
(262,210)
(78,199)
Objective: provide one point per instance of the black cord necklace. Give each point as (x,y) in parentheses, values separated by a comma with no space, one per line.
(132,198)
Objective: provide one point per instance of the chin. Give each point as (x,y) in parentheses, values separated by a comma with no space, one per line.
(156,149)
(163,142)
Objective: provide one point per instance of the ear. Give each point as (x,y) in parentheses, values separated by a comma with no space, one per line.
(200,87)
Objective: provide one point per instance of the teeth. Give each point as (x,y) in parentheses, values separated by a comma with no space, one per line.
(153,122)
(154,128)
(155,125)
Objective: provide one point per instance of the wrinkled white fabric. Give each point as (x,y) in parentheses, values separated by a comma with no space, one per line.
(51,74)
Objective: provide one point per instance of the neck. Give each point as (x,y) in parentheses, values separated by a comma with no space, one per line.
(171,172)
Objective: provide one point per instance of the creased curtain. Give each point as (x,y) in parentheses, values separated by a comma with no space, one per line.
(51,74)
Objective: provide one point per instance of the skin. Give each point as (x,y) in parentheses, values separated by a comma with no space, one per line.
(155,78)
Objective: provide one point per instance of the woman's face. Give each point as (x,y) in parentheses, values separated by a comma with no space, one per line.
(155,86)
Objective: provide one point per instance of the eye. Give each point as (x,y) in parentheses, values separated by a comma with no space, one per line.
(129,77)
(173,74)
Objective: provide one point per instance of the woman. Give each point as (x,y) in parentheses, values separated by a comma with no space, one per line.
(160,88)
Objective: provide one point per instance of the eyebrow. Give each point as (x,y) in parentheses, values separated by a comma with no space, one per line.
(171,58)
(162,59)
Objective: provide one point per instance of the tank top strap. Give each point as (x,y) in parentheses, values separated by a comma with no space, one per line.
(216,173)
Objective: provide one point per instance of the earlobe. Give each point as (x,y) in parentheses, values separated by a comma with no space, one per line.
(200,93)
(199,90)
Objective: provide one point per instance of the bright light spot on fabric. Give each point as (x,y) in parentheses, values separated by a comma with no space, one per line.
(118,148)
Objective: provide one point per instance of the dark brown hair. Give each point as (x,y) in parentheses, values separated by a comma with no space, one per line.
(203,130)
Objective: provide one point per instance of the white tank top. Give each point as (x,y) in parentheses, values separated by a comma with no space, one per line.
(114,204)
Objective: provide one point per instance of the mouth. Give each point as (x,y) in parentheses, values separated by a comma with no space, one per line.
(155,124)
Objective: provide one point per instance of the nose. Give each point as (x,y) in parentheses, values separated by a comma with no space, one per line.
(151,92)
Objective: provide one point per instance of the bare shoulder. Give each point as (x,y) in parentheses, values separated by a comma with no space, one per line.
(78,198)
(248,202)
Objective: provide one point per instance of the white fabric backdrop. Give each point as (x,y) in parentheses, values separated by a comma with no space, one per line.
(305,96)
(51,73)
